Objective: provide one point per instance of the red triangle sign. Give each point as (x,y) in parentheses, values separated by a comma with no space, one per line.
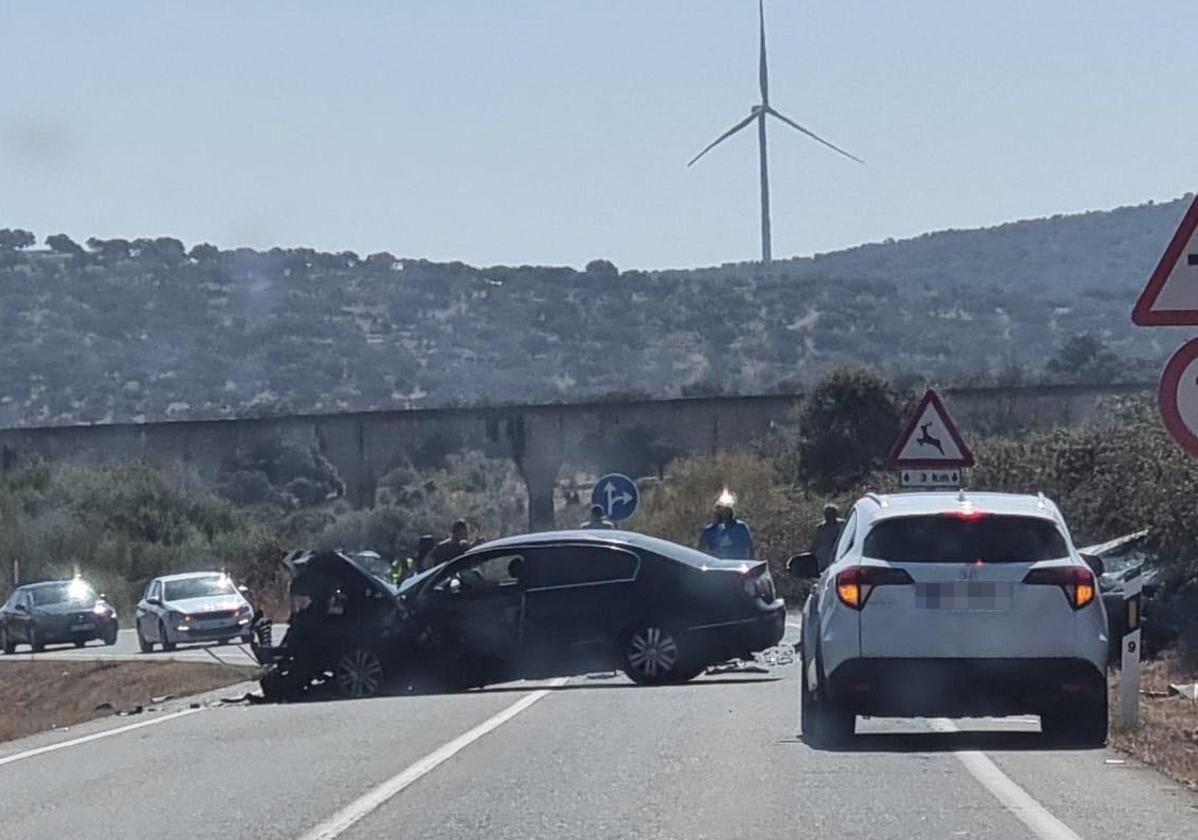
(1171,297)
(931,439)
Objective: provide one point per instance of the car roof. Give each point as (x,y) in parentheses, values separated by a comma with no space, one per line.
(876,506)
(188,576)
(41,584)
(612,537)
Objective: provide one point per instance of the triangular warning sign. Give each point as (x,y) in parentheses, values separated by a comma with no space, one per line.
(1171,297)
(931,439)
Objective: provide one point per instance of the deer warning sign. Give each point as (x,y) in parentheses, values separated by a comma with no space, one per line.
(931,439)
(1171,297)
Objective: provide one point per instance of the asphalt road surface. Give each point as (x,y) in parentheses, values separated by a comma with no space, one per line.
(126,648)
(584,758)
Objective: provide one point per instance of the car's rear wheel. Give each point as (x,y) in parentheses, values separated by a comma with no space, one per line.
(1083,725)
(109,635)
(167,644)
(806,700)
(358,673)
(6,642)
(35,642)
(825,725)
(143,644)
(654,654)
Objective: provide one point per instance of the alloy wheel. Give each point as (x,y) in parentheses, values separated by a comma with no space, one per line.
(652,653)
(359,673)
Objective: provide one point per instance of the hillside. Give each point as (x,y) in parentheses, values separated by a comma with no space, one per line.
(145,330)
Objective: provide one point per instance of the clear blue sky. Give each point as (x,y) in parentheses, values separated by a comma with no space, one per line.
(554,131)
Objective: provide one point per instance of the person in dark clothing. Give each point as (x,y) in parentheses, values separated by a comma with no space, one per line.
(598,519)
(727,536)
(827,534)
(424,552)
(455,545)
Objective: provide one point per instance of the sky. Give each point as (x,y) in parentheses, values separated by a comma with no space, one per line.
(557,131)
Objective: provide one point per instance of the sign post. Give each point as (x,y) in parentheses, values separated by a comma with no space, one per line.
(1129,682)
(930,452)
(617,495)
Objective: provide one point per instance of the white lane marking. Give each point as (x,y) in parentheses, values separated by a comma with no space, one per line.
(1015,799)
(107,733)
(344,819)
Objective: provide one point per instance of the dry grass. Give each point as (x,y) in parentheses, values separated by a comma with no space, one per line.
(35,696)
(1167,736)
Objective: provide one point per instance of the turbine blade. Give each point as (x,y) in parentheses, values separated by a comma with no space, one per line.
(725,136)
(762,71)
(813,135)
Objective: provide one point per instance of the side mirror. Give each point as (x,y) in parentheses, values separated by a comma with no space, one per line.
(243,589)
(21,608)
(1095,563)
(155,600)
(803,565)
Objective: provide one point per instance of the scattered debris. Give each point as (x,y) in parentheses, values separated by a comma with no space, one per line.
(602,675)
(1187,690)
(737,666)
(136,710)
(162,698)
(1115,761)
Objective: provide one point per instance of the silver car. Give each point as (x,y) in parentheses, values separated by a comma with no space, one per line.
(193,607)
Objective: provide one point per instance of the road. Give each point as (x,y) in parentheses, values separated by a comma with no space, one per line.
(126,648)
(584,758)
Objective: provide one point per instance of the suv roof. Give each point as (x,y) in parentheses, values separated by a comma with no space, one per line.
(874,506)
(187,576)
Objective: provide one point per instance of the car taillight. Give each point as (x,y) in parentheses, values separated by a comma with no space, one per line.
(1076,582)
(760,586)
(854,584)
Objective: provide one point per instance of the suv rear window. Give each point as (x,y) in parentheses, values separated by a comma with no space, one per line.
(952,539)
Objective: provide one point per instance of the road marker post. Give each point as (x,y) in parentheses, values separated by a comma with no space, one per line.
(1129,680)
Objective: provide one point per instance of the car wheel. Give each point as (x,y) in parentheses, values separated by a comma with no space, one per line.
(6,642)
(143,645)
(358,673)
(35,642)
(109,635)
(1082,725)
(247,639)
(653,655)
(806,701)
(167,644)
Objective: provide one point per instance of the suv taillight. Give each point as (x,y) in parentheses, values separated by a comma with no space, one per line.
(1077,583)
(854,584)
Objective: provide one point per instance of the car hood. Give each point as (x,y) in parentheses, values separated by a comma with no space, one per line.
(209,603)
(65,608)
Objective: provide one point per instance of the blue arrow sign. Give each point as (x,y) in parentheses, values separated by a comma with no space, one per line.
(617,495)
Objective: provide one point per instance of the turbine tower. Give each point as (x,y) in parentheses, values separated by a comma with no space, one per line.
(759,113)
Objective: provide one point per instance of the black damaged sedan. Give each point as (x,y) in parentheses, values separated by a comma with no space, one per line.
(530,607)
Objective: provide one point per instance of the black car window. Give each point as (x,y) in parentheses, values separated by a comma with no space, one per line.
(948,538)
(60,593)
(202,587)
(581,565)
(487,572)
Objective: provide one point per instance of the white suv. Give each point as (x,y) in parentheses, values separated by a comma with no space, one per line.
(958,605)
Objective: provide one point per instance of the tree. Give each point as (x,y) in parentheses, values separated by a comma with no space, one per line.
(847,426)
(1085,358)
(13,239)
(603,269)
(60,243)
(204,252)
(111,248)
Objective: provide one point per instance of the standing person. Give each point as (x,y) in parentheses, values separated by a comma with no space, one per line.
(424,551)
(598,519)
(827,534)
(453,546)
(727,537)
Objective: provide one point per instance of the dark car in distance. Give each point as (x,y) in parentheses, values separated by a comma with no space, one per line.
(529,607)
(56,612)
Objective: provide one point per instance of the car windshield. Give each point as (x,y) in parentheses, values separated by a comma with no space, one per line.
(202,587)
(61,593)
(945,538)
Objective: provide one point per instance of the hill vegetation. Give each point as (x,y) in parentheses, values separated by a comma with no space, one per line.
(117,330)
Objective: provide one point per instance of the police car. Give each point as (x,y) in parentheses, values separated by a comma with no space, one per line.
(954,604)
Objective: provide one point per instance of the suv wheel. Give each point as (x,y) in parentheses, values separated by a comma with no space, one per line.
(358,673)
(652,655)
(825,725)
(1082,725)
(35,643)
(143,645)
(6,642)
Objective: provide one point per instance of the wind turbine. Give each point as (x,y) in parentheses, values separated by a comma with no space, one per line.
(759,113)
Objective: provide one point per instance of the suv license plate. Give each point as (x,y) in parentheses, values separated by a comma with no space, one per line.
(964,595)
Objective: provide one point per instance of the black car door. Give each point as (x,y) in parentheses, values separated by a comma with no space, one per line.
(472,615)
(578,599)
(19,617)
